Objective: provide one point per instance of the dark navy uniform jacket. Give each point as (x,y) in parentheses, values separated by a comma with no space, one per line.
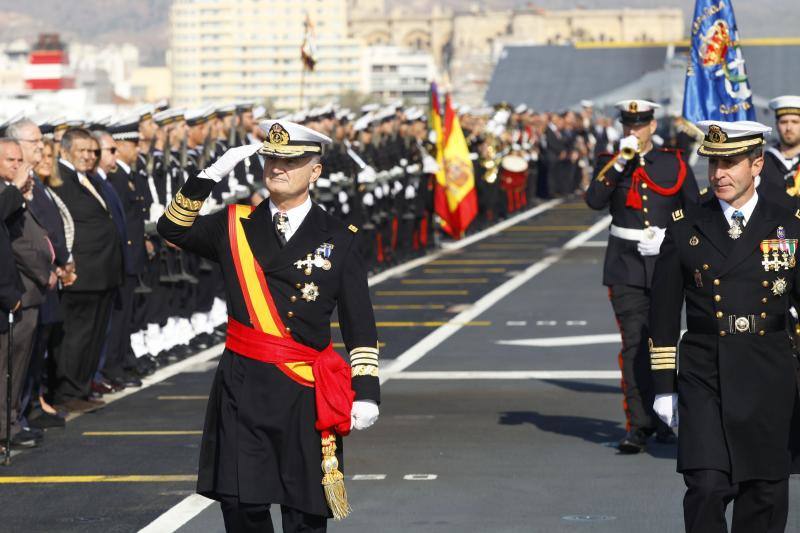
(624,265)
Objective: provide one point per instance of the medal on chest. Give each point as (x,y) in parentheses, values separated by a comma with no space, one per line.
(319,259)
(778,254)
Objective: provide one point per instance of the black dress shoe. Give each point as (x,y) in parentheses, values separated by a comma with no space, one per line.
(129,379)
(634,442)
(666,436)
(24,440)
(46,421)
(101,387)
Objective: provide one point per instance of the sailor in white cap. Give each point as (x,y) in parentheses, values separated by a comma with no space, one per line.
(731,260)
(282,398)
(640,186)
(780,177)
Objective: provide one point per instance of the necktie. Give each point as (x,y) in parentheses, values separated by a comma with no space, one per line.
(738,223)
(88,185)
(281,223)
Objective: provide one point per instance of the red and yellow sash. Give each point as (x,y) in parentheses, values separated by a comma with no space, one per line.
(269,342)
(260,305)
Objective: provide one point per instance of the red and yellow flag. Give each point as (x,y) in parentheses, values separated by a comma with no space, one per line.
(455,198)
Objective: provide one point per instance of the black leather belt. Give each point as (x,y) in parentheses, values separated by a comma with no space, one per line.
(737,325)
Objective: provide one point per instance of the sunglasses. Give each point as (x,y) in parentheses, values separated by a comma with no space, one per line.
(97,153)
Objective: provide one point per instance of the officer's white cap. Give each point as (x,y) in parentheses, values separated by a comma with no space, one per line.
(727,139)
(785,105)
(285,139)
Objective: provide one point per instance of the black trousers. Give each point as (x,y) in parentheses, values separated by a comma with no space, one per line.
(118,345)
(86,315)
(631,306)
(249,518)
(759,506)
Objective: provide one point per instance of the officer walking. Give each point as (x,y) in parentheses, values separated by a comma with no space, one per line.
(640,186)
(282,398)
(780,177)
(732,260)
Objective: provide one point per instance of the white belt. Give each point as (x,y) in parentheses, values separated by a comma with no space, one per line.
(630,234)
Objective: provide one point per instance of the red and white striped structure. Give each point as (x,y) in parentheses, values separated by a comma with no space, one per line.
(48,65)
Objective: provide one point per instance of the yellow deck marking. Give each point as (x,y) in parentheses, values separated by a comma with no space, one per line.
(480,262)
(98,479)
(182,398)
(505,246)
(139,433)
(547,228)
(422,293)
(398,307)
(448,281)
(463,271)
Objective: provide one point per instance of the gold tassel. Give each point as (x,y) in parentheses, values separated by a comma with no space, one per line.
(333,480)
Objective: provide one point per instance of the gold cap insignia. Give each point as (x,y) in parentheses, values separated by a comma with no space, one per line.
(278,135)
(716,135)
(352,228)
(633,107)
(694,241)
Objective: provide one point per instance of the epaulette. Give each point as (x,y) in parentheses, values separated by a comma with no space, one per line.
(677,215)
(352,228)
(797,214)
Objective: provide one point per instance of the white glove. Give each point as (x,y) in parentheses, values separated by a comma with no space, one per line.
(364,414)
(651,246)
(224,165)
(630,142)
(666,407)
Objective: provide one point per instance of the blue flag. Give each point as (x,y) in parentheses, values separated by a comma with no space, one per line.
(716,82)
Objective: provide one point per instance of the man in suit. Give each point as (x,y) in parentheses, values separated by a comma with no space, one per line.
(281,398)
(33,256)
(14,181)
(640,186)
(98,260)
(42,207)
(735,400)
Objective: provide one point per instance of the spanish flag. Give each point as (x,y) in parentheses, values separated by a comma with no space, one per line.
(455,198)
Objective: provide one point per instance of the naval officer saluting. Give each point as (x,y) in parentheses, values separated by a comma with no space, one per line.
(732,260)
(281,398)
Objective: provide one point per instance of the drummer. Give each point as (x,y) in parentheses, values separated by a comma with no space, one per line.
(644,189)
(514,179)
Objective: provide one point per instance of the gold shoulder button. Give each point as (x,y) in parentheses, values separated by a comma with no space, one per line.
(677,215)
(352,228)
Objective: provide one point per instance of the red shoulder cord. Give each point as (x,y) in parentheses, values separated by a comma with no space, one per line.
(634,198)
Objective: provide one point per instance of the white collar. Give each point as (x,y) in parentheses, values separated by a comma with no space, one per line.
(788,163)
(296,215)
(102,173)
(67,164)
(124,166)
(746,209)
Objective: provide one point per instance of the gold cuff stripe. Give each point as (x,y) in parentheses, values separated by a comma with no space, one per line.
(174,220)
(363,362)
(663,358)
(364,354)
(186,203)
(663,367)
(179,216)
(656,349)
(364,349)
(178,209)
(362,370)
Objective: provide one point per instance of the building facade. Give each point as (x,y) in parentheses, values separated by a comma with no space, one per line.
(222,50)
(391,73)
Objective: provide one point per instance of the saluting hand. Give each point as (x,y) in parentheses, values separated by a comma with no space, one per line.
(225,164)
